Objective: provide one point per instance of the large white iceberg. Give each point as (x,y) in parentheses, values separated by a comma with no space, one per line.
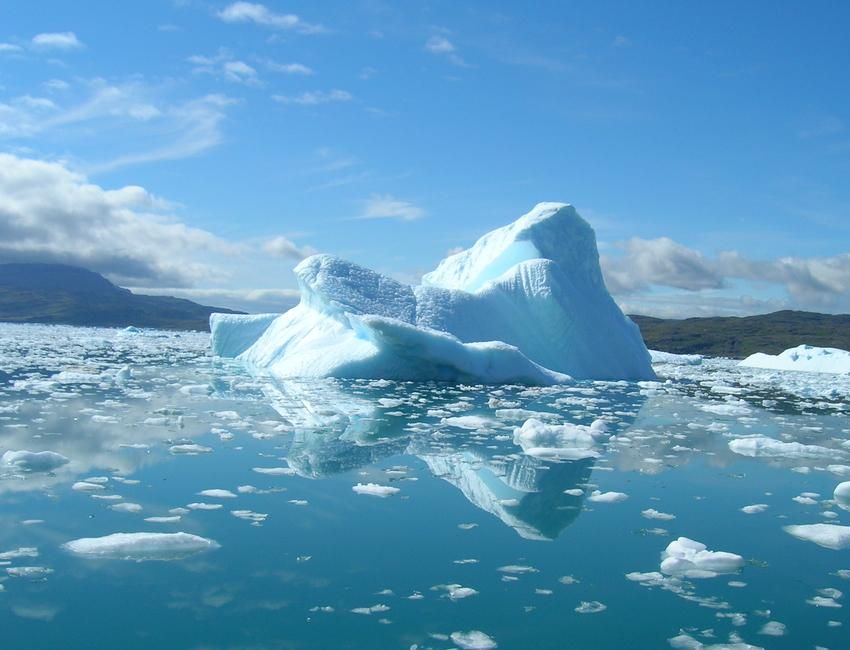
(526,304)
(805,358)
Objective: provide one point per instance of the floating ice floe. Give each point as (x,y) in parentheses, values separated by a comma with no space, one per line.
(842,495)
(217,493)
(607,497)
(375,490)
(652,513)
(526,304)
(692,559)
(140,546)
(805,358)
(831,536)
(473,640)
(559,441)
(763,446)
(33,461)
(675,359)
(590,607)
(687,642)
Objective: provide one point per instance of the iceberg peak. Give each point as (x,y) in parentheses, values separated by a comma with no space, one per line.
(525,304)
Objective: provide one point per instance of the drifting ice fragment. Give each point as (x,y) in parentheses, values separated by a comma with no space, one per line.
(375,490)
(526,304)
(690,558)
(140,546)
(33,461)
(827,535)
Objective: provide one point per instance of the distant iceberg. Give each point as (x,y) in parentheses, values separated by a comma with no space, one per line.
(805,358)
(525,304)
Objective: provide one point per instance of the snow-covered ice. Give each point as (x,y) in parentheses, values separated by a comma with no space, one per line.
(525,304)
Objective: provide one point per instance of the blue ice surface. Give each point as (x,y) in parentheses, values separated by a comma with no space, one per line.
(115,403)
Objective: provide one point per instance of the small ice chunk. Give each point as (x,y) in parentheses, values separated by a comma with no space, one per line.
(33,461)
(126,507)
(217,494)
(375,490)
(473,640)
(85,486)
(773,628)
(590,607)
(754,509)
(651,513)
(139,547)
(274,471)
(692,559)
(763,446)
(200,505)
(607,497)
(827,535)
(189,449)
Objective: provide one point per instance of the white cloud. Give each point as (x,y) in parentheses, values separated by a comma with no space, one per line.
(49,213)
(647,264)
(280,246)
(388,207)
(10,47)
(259,14)
(662,262)
(56,41)
(289,68)
(442,46)
(312,98)
(250,300)
(173,131)
(240,72)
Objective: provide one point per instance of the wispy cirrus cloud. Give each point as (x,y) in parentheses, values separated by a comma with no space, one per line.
(314,98)
(440,45)
(386,206)
(165,130)
(260,14)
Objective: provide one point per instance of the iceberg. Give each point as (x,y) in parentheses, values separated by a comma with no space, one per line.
(525,304)
(806,358)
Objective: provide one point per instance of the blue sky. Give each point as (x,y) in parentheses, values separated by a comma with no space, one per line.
(202,148)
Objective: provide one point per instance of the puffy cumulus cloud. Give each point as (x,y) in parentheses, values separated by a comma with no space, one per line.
(280,246)
(813,281)
(661,262)
(49,213)
(388,207)
(259,14)
(56,41)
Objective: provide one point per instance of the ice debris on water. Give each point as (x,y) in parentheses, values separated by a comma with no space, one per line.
(140,546)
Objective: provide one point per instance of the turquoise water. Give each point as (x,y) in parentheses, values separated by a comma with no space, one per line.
(479,536)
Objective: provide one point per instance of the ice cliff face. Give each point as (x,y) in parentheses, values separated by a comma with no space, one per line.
(526,304)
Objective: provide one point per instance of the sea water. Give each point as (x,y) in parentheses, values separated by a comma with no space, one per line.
(377,514)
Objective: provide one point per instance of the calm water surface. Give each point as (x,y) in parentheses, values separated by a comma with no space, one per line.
(462,537)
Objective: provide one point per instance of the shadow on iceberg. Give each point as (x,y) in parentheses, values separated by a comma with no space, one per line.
(525,304)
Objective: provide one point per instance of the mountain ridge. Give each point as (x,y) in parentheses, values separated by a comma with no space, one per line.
(72,295)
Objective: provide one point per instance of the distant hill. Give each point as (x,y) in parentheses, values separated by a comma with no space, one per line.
(739,337)
(70,295)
